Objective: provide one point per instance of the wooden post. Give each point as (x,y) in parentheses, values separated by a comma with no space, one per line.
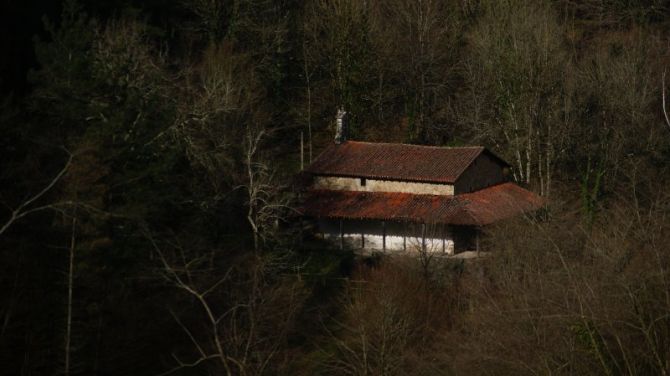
(362,240)
(384,236)
(404,237)
(341,235)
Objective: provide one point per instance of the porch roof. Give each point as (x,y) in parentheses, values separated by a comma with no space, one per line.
(478,208)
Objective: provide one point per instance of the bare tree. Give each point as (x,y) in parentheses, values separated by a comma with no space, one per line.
(427,242)
(336,35)
(308,72)
(376,330)
(267,202)
(418,51)
(247,314)
(620,90)
(665,111)
(70,283)
(210,15)
(25,208)
(389,318)
(546,308)
(515,69)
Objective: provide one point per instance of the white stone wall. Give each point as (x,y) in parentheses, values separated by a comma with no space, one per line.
(375,185)
(395,242)
(443,244)
(369,235)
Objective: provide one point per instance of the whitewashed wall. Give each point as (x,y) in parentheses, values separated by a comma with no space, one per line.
(369,235)
(374,185)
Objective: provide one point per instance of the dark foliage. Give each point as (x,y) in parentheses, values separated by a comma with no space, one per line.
(147,208)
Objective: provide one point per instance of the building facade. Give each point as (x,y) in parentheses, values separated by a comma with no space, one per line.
(401,197)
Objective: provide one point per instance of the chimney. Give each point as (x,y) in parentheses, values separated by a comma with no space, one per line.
(341,126)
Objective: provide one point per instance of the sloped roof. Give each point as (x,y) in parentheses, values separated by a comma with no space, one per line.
(478,208)
(396,161)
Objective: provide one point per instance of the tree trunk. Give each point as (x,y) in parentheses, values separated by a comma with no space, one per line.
(70,278)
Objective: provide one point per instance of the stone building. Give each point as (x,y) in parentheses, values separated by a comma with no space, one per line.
(400,197)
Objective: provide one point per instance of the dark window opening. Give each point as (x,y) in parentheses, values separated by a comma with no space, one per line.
(363,182)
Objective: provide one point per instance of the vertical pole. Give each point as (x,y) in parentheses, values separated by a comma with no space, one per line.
(384,235)
(404,237)
(362,240)
(341,235)
(477,239)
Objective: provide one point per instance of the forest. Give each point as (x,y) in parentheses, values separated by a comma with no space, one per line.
(149,195)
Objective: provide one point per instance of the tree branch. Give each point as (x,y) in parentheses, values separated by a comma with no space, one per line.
(21,211)
(665,111)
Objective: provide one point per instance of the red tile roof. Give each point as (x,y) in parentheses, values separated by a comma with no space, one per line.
(396,161)
(479,208)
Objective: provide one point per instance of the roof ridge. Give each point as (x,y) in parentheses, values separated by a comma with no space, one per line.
(415,145)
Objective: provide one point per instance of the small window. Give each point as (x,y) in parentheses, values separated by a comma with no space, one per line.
(363,182)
